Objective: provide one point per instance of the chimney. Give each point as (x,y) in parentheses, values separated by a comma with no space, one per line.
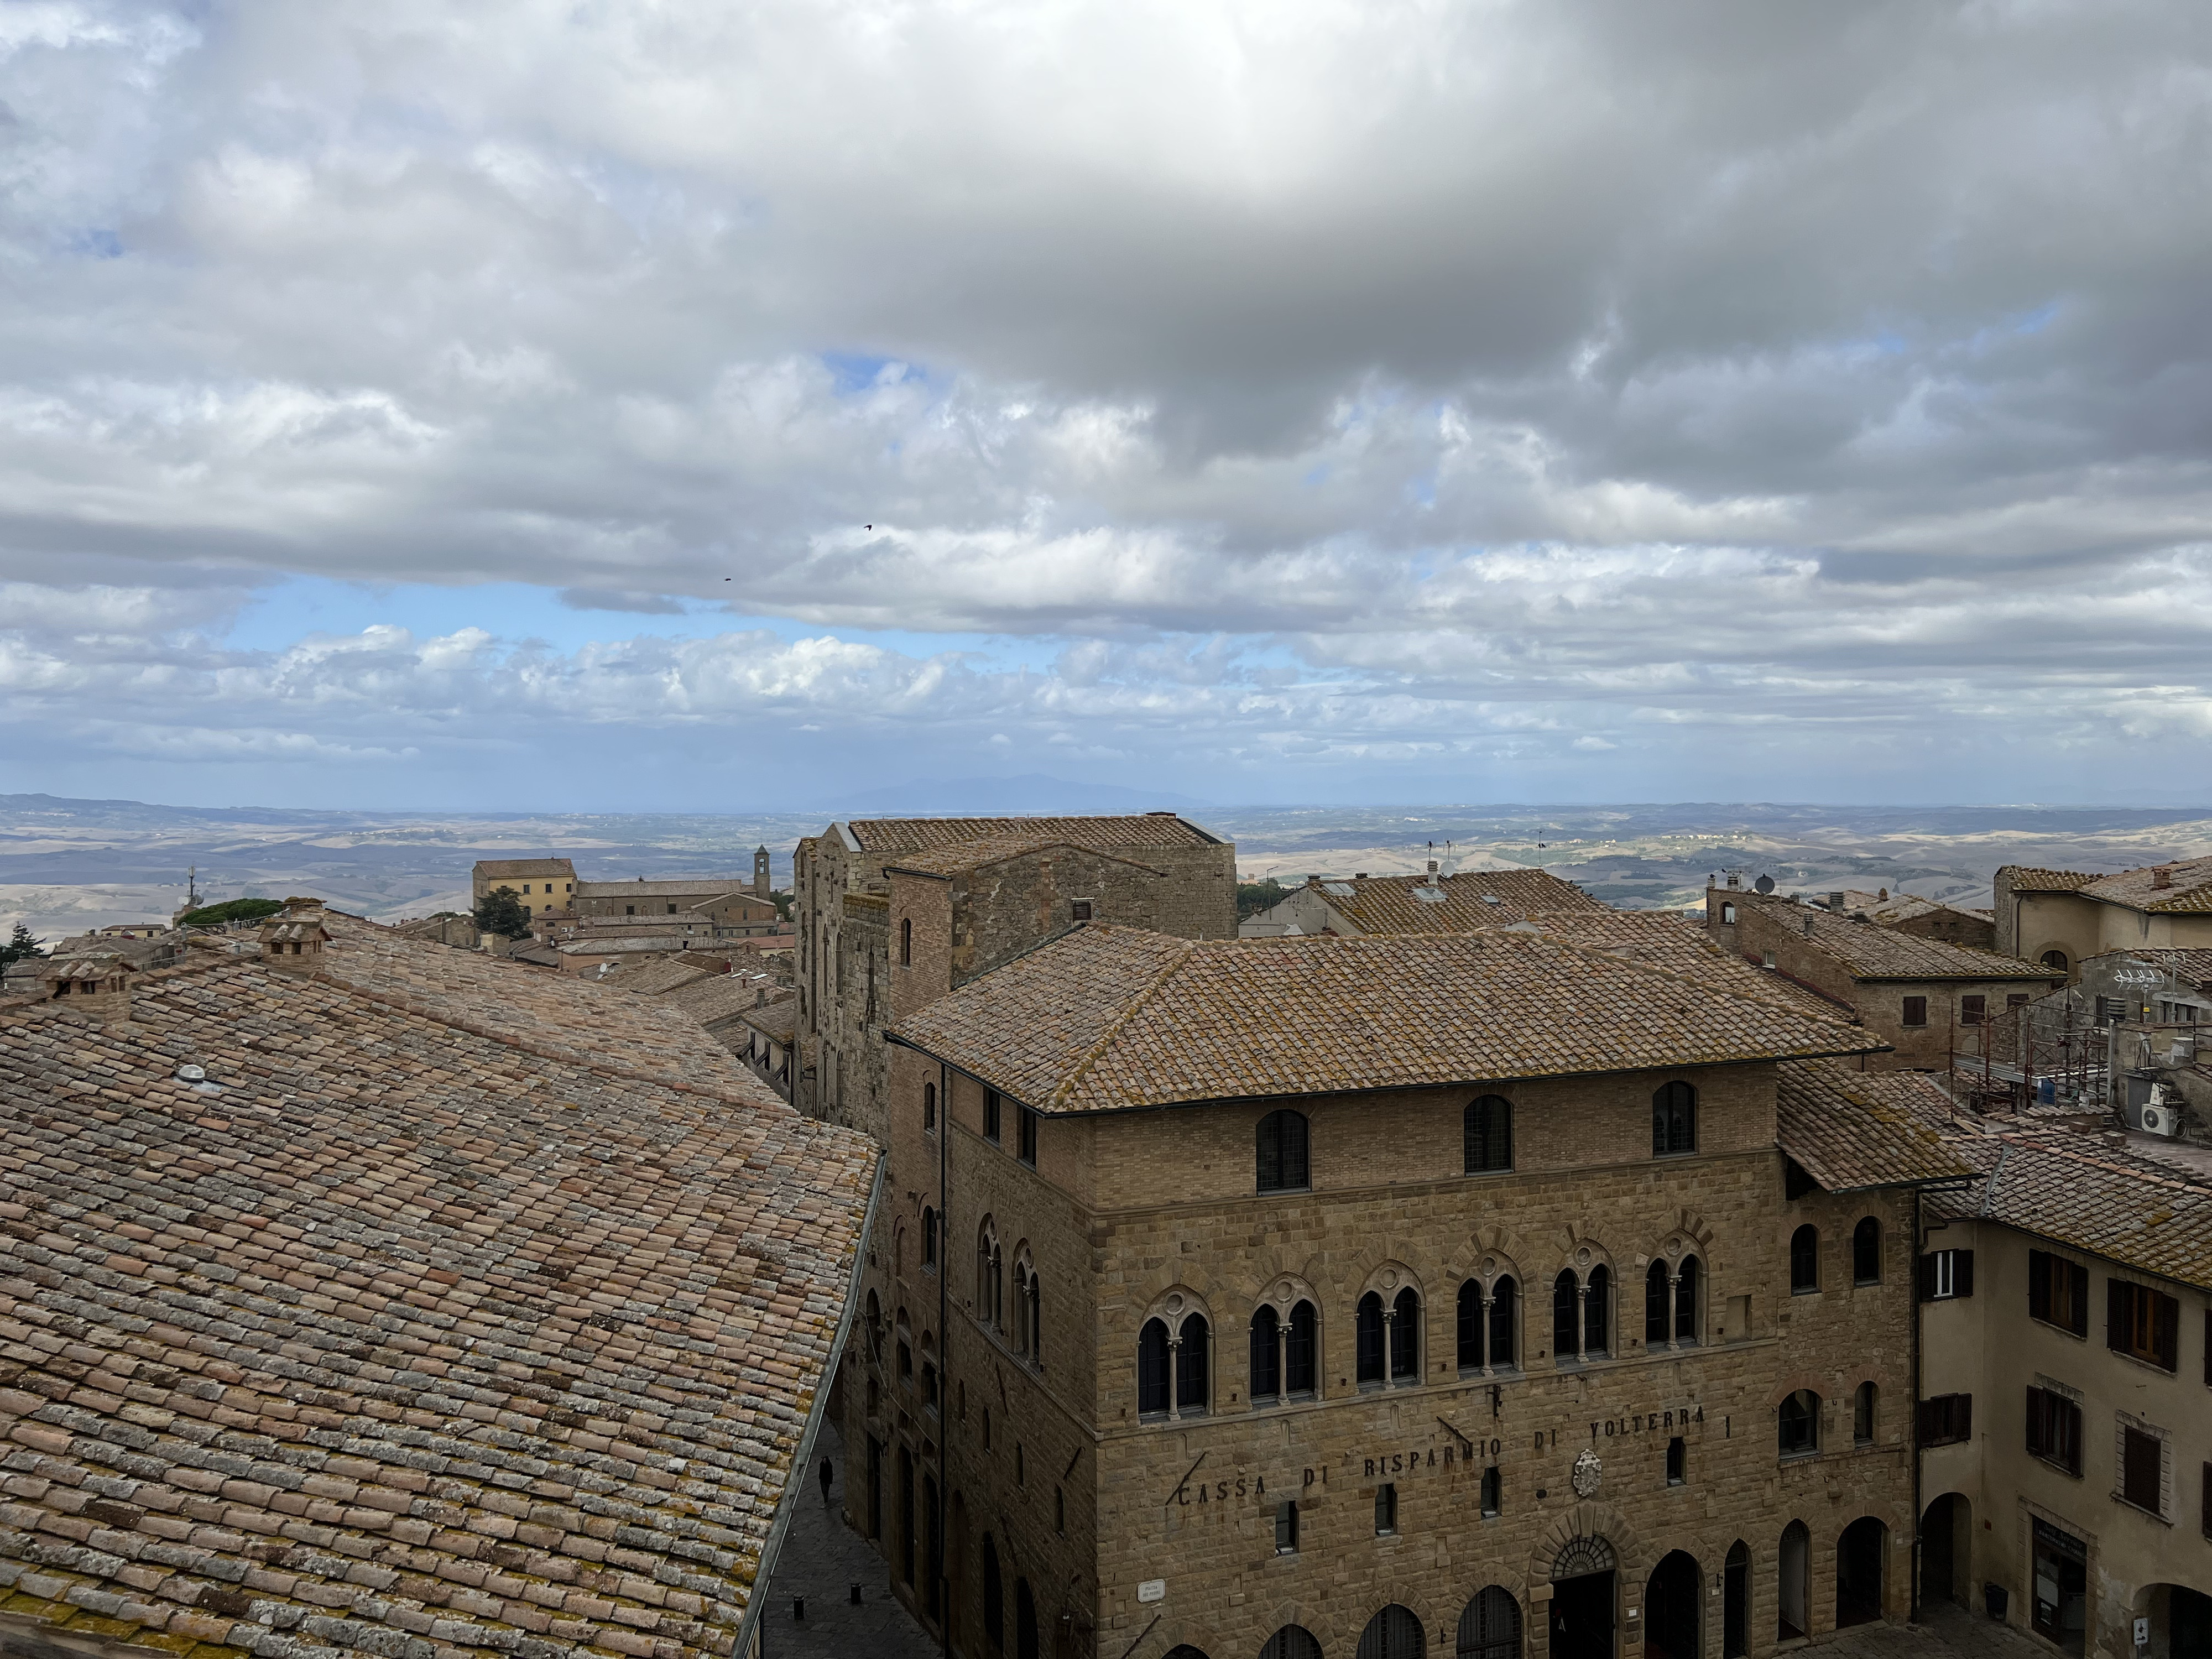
(1809,927)
(1433,872)
(294,938)
(2161,877)
(97,988)
(1835,902)
(1735,879)
(1767,962)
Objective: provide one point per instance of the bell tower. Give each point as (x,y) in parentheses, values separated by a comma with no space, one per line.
(760,872)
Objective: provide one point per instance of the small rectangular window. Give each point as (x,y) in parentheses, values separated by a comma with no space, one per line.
(1080,910)
(2058,1292)
(1286,1528)
(1972,1010)
(1386,1509)
(2141,1458)
(1029,1136)
(1947,1419)
(1945,1274)
(991,1116)
(2054,1429)
(1677,1462)
(2142,1324)
(1916,1011)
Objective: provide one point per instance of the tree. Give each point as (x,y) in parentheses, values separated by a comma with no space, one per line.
(237,910)
(1254,896)
(21,946)
(503,912)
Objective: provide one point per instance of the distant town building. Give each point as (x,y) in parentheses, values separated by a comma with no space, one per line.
(722,903)
(1468,900)
(1925,918)
(893,912)
(1921,996)
(545,886)
(2057,917)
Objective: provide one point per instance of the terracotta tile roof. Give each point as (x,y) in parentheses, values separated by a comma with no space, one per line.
(2088,1193)
(1104,1019)
(1665,938)
(960,856)
(1124,830)
(1390,904)
(495,869)
(654,978)
(2189,885)
(778,1020)
(2193,967)
(718,997)
(392,1337)
(563,1018)
(1851,1130)
(1867,950)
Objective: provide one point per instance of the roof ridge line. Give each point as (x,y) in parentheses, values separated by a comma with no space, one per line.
(1081,1069)
(2034,1143)
(1674,975)
(324,977)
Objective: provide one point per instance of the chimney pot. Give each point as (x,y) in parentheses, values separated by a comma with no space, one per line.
(2161,877)
(1835,902)
(1734,879)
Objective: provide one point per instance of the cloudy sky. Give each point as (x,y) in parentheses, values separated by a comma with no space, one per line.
(686,404)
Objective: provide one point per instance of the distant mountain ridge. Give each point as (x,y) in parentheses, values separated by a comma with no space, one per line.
(1031,793)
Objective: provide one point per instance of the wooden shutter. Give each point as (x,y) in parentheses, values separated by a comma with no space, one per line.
(2116,1315)
(2168,1314)
(2077,1287)
(2039,1285)
(1962,1273)
(2139,1469)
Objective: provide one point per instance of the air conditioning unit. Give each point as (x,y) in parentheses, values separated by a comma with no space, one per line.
(2161,1120)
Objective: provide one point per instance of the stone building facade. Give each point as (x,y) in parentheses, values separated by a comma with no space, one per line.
(545,886)
(1516,1342)
(2067,1485)
(1923,997)
(927,903)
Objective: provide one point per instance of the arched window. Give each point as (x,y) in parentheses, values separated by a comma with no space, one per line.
(1152,1380)
(1302,1353)
(1028,1338)
(1689,1286)
(928,1106)
(1566,1316)
(928,1239)
(1406,1337)
(1799,1422)
(906,941)
(1674,1119)
(1804,1261)
(1025,1621)
(1470,1326)
(1367,1336)
(1487,1131)
(1658,1317)
(1393,1633)
(1282,1152)
(1191,1376)
(1036,1319)
(994,1594)
(1735,1603)
(1291,1642)
(1866,1252)
(875,1328)
(1267,1381)
(2056,961)
(986,1273)
(1597,1306)
(1489,1627)
(1504,1319)
(1862,1410)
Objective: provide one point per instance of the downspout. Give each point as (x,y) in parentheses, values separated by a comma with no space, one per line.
(1919,1312)
(749,1628)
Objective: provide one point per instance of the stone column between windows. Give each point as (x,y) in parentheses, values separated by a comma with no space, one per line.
(1581,1319)
(1482,1333)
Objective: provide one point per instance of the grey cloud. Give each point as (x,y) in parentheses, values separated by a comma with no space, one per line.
(614,598)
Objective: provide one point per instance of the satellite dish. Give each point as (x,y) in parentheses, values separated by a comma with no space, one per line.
(1764,884)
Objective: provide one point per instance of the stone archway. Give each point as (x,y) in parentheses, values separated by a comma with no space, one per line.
(1585,1582)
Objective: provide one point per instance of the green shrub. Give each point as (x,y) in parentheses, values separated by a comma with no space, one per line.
(215,916)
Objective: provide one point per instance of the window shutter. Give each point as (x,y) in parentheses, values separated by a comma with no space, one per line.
(2039,1429)
(2078,1284)
(2116,1315)
(2169,1332)
(1931,1422)
(1962,1270)
(2039,1286)
(1962,1416)
(1926,1276)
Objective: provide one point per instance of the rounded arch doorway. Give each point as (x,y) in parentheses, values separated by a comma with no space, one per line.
(1672,1616)
(1585,1590)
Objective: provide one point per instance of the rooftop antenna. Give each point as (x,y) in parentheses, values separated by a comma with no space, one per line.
(192,888)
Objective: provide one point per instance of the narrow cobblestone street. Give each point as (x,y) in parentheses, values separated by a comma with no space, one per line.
(822,1559)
